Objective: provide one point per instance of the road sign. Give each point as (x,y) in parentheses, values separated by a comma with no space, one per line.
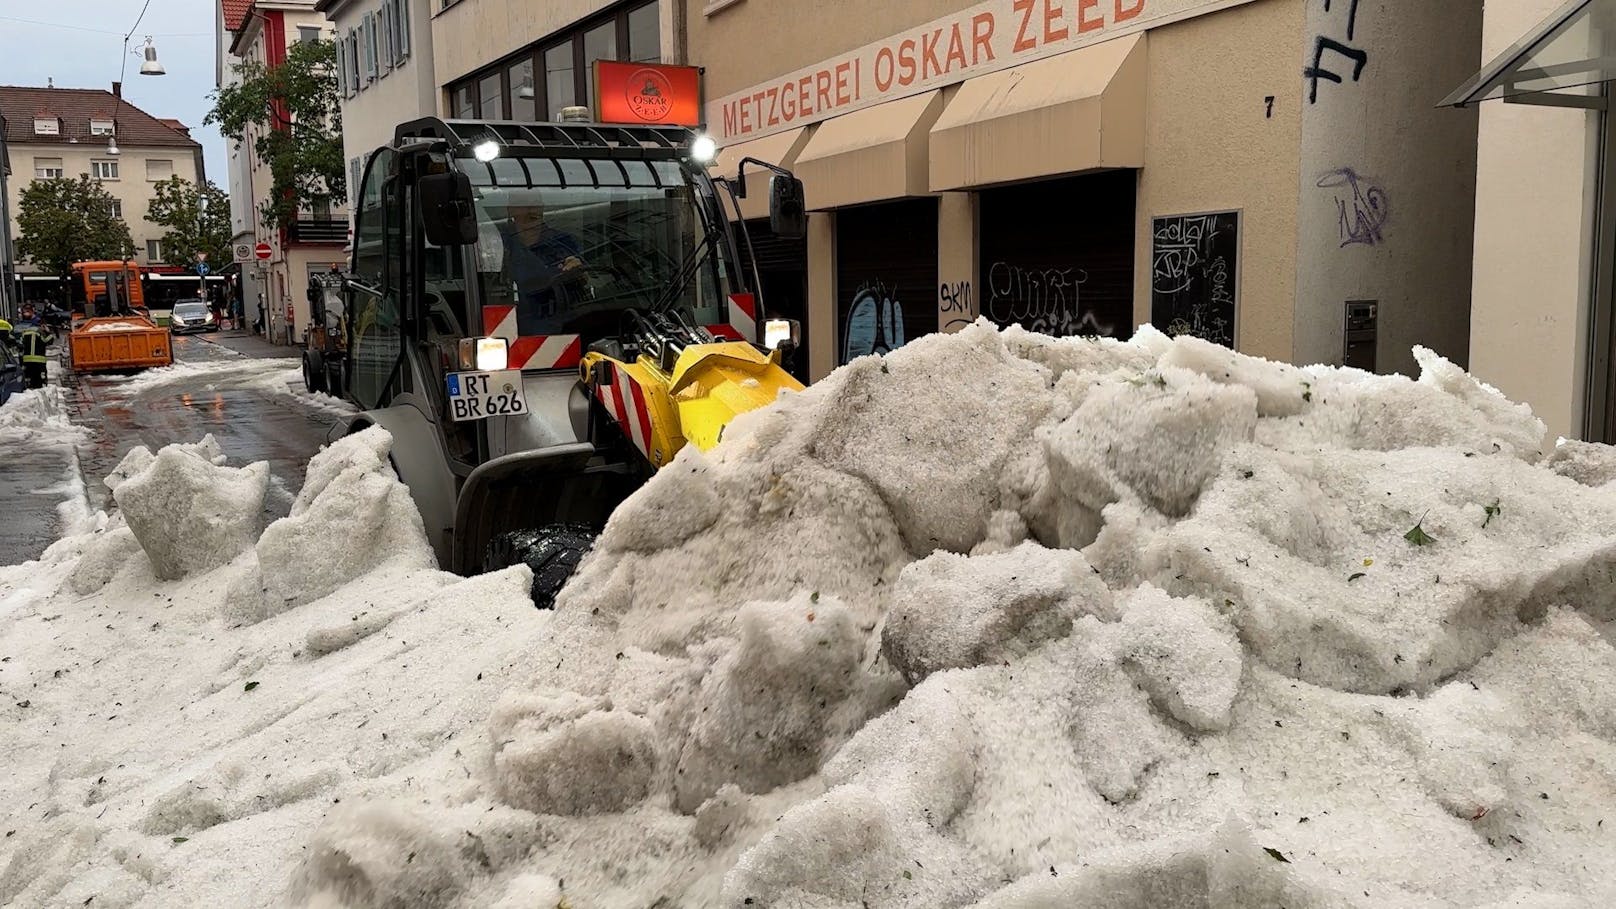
(262,251)
(242,252)
(202,268)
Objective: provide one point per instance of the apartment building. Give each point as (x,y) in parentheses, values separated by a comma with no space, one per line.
(384,72)
(8,282)
(64,132)
(265,31)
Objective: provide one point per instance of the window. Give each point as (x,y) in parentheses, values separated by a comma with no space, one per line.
(47,126)
(367,37)
(645,34)
(343,85)
(355,172)
(384,29)
(375,330)
(463,103)
(540,82)
(101,127)
(354,64)
(401,29)
(560,79)
(489,106)
(154,250)
(117,209)
(600,43)
(632,224)
(520,102)
(104,170)
(47,168)
(308,34)
(159,169)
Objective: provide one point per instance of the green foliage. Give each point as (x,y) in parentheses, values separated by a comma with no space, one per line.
(288,114)
(198,220)
(1493,511)
(69,219)
(1418,536)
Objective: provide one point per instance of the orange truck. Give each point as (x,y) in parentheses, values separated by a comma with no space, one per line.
(119,332)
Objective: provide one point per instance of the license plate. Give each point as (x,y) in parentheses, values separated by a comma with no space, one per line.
(479,395)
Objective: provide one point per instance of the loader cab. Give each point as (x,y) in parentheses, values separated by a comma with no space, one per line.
(543,236)
(492,263)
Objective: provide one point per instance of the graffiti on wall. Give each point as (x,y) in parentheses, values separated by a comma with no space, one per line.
(1343,51)
(1046,300)
(1194,275)
(874,322)
(956,305)
(1362,208)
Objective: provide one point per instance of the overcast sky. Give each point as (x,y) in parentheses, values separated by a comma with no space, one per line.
(79,44)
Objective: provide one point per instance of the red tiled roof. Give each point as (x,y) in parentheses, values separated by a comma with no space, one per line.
(235,13)
(75,107)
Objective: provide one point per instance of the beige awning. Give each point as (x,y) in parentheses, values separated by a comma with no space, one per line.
(871,154)
(1064,114)
(780,148)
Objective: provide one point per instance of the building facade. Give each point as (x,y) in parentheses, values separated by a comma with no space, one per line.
(243,219)
(316,241)
(8,279)
(1269,174)
(64,132)
(514,60)
(1545,230)
(384,72)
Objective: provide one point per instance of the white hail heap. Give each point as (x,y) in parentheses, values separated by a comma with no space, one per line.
(997,621)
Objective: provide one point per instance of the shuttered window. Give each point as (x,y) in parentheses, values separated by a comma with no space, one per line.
(1057,255)
(886,276)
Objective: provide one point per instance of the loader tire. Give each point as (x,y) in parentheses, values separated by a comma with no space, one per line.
(313,371)
(553,552)
(336,383)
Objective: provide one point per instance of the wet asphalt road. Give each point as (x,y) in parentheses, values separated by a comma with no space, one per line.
(250,424)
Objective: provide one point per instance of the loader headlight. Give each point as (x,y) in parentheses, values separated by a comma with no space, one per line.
(778,333)
(484,354)
(703,149)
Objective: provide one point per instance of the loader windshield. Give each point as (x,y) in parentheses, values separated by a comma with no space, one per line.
(573,244)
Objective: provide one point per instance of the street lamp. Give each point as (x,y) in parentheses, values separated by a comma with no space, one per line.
(149,67)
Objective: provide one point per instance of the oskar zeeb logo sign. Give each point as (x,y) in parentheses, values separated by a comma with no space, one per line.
(652,100)
(639,93)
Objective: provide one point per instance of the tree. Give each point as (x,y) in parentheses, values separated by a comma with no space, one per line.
(65,220)
(289,112)
(198,220)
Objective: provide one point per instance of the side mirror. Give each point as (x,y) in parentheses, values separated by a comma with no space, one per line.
(448,214)
(788,212)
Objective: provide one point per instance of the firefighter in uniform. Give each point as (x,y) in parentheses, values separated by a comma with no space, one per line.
(32,341)
(5,334)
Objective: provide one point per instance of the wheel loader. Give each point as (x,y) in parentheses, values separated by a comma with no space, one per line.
(542,315)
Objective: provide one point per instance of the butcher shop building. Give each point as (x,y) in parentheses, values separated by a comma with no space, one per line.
(1270,174)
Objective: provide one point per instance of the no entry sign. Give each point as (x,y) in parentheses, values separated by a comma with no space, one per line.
(262,251)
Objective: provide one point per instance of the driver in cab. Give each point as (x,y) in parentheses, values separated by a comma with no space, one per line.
(544,263)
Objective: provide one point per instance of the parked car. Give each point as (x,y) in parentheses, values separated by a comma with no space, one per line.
(11,380)
(191,315)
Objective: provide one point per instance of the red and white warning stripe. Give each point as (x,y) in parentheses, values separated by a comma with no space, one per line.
(625,401)
(742,324)
(532,351)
